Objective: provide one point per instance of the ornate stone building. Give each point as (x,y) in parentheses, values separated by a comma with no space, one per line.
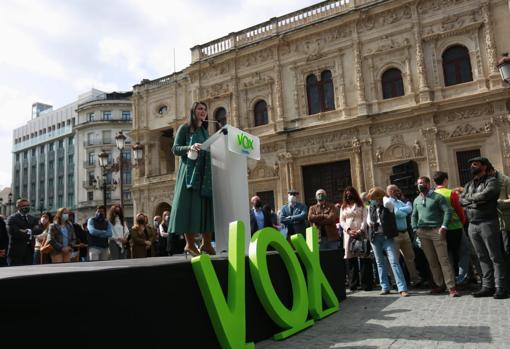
(339,93)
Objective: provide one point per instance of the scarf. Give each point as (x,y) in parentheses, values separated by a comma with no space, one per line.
(198,172)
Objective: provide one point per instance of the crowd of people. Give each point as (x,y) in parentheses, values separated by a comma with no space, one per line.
(57,238)
(444,239)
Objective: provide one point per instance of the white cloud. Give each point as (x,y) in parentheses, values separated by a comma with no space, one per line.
(53,50)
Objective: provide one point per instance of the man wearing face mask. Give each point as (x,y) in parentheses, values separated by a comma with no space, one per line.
(480,199)
(258,217)
(430,218)
(19,228)
(293,215)
(323,215)
(100,230)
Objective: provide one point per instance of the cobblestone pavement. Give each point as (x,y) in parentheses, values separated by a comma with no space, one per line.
(367,320)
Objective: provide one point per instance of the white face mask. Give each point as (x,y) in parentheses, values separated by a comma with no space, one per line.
(292,199)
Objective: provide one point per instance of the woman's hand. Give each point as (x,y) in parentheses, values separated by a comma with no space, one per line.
(196,147)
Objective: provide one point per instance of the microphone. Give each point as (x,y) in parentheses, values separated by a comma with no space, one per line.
(221,125)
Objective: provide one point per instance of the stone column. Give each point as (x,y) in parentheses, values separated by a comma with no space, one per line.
(424,92)
(235,96)
(340,82)
(368,162)
(430,135)
(360,84)
(358,166)
(278,89)
(490,46)
(502,123)
(286,171)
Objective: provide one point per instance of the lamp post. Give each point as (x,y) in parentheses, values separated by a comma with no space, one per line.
(120,140)
(137,152)
(103,162)
(504,67)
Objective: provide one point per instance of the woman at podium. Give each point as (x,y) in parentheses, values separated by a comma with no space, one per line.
(192,210)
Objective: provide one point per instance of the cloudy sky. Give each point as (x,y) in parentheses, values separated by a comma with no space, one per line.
(51,50)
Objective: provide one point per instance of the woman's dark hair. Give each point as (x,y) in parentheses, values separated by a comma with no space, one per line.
(192,119)
(355,197)
(112,214)
(48,214)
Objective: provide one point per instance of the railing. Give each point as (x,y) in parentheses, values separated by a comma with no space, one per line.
(43,138)
(275,26)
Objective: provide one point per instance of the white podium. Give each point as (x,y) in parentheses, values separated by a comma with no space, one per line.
(229,148)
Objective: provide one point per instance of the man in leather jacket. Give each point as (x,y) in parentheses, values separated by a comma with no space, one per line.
(480,200)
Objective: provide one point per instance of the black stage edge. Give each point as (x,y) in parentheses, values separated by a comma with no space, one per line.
(153,302)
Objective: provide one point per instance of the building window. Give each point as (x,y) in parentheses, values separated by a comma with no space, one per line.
(17,156)
(127,195)
(463,166)
(70,181)
(51,165)
(41,149)
(70,200)
(126,177)
(90,196)
(92,177)
(456,66)
(108,195)
(107,115)
(61,182)
(61,144)
(261,117)
(91,158)
(70,160)
(320,94)
(33,152)
(392,84)
(162,110)
(52,147)
(126,115)
(91,117)
(107,137)
(109,178)
(90,138)
(220,115)
(60,201)
(70,141)
(312,92)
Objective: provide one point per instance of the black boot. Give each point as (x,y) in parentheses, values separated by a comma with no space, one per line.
(483,292)
(500,293)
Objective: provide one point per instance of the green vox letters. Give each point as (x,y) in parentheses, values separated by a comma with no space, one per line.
(228,314)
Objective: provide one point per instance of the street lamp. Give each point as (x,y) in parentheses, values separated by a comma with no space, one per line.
(120,139)
(504,67)
(137,151)
(103,162)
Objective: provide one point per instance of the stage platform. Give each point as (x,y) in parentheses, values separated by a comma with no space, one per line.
(152,302)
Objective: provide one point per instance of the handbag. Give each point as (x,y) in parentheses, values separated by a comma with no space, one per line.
(358,245)
(46,247)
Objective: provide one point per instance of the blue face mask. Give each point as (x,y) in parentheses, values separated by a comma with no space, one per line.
(373,202)
(65,217)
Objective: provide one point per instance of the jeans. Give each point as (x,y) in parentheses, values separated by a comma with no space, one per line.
(98,254)
(381,244)
(464,259)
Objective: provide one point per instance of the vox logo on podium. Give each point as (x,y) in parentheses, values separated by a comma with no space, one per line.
(245,142)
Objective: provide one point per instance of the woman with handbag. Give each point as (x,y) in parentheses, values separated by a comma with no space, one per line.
(61,237)
(382,228)
(353,217)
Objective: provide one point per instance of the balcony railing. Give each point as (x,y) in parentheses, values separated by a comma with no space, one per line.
(276,26)
(43,138)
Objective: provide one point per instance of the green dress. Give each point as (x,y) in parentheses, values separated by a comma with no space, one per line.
(192,210)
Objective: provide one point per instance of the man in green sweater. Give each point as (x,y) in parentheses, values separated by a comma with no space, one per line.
(431,214)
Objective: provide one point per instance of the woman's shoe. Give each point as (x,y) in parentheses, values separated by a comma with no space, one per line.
(191,251)
(208,250)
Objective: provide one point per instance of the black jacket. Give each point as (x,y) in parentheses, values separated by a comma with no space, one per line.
(19,241)
(4,238)
(480,199)
(253,221)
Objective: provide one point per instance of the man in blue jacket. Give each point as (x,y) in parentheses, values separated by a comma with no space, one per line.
(402,241)
(293,215)
(100,230)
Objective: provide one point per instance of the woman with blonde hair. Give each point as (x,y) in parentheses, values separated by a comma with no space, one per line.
(382,228)
(142,238)
(61,237)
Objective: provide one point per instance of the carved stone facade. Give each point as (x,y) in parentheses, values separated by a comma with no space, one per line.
(357,42)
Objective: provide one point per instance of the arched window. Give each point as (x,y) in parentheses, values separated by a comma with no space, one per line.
(328,94)
(261,117)
(456,66)
(392,84)
(220,115)
(162,110)
(321,94)
(312,91)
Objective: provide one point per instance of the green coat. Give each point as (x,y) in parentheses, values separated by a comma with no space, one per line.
(192,210)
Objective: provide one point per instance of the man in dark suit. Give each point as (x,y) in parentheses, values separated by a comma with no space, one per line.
(258,217)
(4,242)
(19,228)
